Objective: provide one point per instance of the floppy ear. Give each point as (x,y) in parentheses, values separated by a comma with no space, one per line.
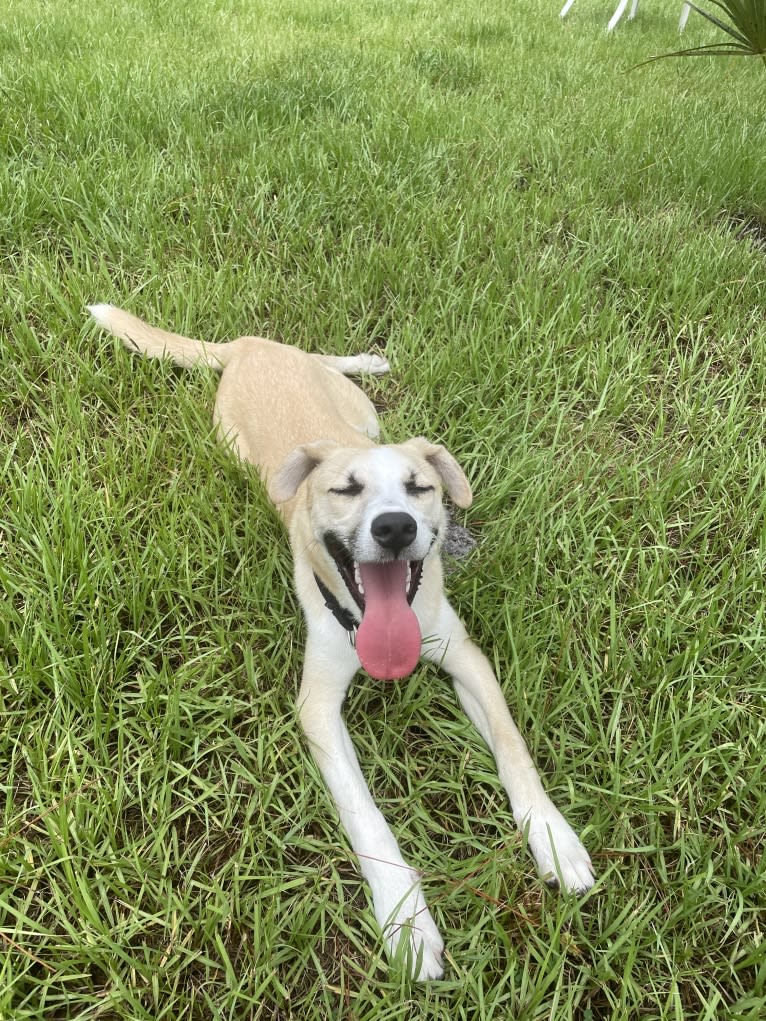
(296,469)
(452,475)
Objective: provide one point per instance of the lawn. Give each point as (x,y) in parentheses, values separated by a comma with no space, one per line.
(565,262)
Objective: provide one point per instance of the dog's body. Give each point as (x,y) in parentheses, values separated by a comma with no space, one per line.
(365,523)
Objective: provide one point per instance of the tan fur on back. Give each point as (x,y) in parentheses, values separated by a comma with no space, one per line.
(256,404)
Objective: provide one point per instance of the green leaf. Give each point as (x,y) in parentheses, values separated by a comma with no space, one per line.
(746,25)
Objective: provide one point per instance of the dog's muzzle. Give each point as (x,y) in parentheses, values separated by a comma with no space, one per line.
(388,640)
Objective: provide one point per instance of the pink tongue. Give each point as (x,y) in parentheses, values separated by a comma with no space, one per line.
(388,640)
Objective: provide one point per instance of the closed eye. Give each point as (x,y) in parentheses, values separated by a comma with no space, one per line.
(352,488)
(411,488)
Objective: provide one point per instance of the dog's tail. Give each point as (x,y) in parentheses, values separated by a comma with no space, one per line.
(152,342)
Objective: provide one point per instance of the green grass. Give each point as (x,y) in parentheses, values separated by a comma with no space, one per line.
(552,253)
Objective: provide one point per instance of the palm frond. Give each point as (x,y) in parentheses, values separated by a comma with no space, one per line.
(746,28)
(729,29)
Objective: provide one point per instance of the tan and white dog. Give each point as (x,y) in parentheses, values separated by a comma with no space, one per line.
(366,522)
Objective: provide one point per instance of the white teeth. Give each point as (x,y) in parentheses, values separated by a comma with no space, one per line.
(358,578)
(409,577)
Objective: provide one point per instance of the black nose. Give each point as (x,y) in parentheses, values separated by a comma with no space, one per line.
(394,530)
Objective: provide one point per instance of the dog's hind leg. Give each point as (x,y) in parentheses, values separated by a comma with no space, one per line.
(357,365)
(561,858)
(351,402)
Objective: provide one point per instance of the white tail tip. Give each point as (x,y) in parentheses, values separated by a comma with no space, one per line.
(101,313)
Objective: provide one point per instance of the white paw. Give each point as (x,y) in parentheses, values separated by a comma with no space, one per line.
(409,930)
(418,943)
(373,365)
(561,858)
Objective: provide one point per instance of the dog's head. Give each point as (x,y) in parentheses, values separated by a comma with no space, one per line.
(376,514)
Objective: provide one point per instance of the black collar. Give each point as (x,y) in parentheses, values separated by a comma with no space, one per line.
(344,617)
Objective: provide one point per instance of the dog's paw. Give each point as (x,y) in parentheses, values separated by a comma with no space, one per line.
(409,930)
(373,365)
(418,943)
(561,858)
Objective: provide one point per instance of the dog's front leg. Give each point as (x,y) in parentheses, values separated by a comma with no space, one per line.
(560,856)
(398,900)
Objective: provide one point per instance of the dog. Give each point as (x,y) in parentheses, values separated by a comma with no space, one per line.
(365,522)
(620,10)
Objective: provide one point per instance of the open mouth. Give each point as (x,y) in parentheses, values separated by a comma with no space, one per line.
(388,641)
(351,572)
